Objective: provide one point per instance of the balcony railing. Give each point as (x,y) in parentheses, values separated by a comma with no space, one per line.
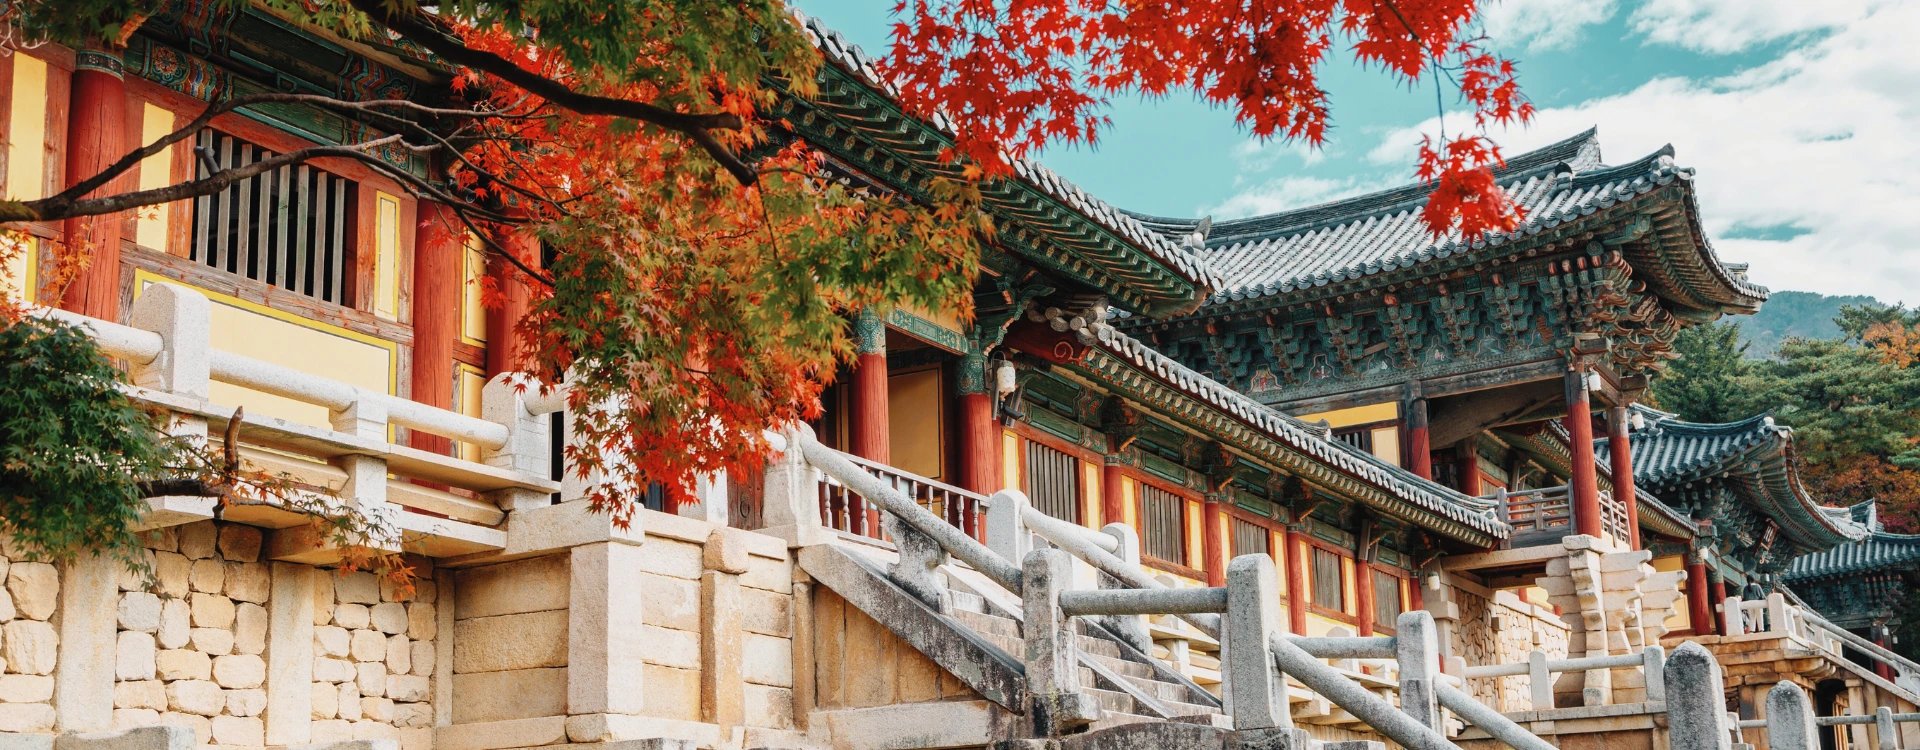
(843,509)
(1778,616)
(1545,515)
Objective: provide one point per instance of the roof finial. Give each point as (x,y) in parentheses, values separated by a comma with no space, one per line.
(1198,239)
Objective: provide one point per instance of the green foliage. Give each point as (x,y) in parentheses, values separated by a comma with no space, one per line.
(1704,385)
(75,449)
(1843,400)
(1786,315)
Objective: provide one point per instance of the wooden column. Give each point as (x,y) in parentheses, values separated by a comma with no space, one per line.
(1699,595)
(1213,543)
(516,297)
(1467,462)
(1719,600)
(1620,463)
(979,434)
(1367,599)
(96,137)
(439,250)
(1296,580)
(1585,480)
(868,398)
(1882,669)
(1419,445)
(1113,496)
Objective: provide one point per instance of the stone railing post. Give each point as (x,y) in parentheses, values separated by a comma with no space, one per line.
(1790,718)
(1133,628)
(527,450)
(918,570)
(365,490)
(1539,680)
(1053,681)
(1777,621)
(1733,618)
(791,501)
(1884,731)
(1006,533)
(1653,662)
(183,319)
(1696,703)
(1416,646)
(1256,690)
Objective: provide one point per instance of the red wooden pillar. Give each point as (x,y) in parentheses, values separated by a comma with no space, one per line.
(1213,545)
(1699,594)
(1113,496)
(1419,444)
(1585,481)
(516,298)
(868,407)
(1880,668)
(1416,591)
(96,137)
(1468,463)
(979,434)
(1620,461)
(1719,600)
(1296,580)
(438,252)
(1368,600)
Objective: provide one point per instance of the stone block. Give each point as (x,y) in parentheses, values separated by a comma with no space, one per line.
(331,731)
(672,693)
(197,697)
(332,640)
(35,588)
(133,656)
(768,575)
(521,586)
(766,706)
(368,645)
(139,611)
(26,688)
(212,611)
(208,576)
(183,664)
(408,688)
(326,700)
(371,678)
(766,660)
(413,715)
(671,603)
(673,558)
(323,599)
(138,738)
(26,741)
(358,587)
(30,646)
(250,628)
(240,543)
(376,709)
(399,655)
(519,694)
(520,641)
(766,612)
(249,582)
(422,621)
(172,574)
(352,616)
(332,670)
(151,694)
(176,624)
(245,731)
(246,702)
(348,698)
(240,671)
(425,591)
(128,718)
(492,735)
(214,641)
(7,611)
(671,648)
(423,658)
(390,617)
(26,717)
(197,540)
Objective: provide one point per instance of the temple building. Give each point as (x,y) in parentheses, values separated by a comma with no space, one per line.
(1282,481)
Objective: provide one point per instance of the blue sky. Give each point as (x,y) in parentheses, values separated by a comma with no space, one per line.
(1798,115)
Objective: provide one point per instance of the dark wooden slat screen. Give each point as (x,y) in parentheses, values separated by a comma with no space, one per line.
(1328,590)
(1386,599)
(1163,525)
(287,227)
(1360,437)
(1250,538)
(1053,482)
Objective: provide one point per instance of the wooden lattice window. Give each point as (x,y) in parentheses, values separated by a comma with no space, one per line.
(1250,538)
(1386,599)
(1358,437)
(1329,586)
(291,227)
(1053,482)
(1163,525)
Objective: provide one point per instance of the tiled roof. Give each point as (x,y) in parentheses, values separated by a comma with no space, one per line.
(1880,551)
(1312,442)
(1669,454)
(1350,239)
(1052,206)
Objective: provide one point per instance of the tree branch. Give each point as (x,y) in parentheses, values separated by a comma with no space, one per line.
(696,126)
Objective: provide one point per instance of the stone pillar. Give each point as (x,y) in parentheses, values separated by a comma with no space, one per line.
(289,713)
(96,137)
(439,250)
(1213,545)
(1699,595)
(1256,691)
(1585,482)
(516,297)
(1790,719)
(1417,649)
(1419,445)
(1296,579)
(88,606)
(1620,461)
(722,676)
(1696,705)
(979,433)
(1053,682)
(606,649)
(867,403)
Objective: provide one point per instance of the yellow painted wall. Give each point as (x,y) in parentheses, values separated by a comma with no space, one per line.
(1386,411)
(1010,450)
(1090,494)
(1386,444)
(468,383)
(1319,625)
(473,315)
(914,421)
(1277,541)
(288,340)
(1129,504)
(386,256)
(26,168)
(1196,545)
(156,171)
(1348,583)
(1681,619)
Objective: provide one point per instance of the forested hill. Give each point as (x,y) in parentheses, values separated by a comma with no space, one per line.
(1790,314)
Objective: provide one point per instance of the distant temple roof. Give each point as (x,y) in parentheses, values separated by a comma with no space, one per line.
(1704,467)
(1043,217)
(1380,233)
(1880,550)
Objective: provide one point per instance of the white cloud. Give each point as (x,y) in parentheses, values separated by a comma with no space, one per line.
(1541,24)
(1808,165)
(1724,26)
(1283,193)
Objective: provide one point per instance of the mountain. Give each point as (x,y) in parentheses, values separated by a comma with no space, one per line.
(1790,314)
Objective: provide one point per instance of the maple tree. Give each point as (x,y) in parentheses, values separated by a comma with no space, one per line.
(703,260)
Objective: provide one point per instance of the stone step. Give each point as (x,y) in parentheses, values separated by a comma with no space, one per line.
(1193,710)
(1125,667)
(1098,646)
(966,601)
(1111,700)
(1162,691)
(988,624)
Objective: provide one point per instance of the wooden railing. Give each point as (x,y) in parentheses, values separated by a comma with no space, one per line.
(843,509)
(1538,515)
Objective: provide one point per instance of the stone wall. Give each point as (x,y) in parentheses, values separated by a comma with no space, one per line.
(1498,627)
(29,643)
